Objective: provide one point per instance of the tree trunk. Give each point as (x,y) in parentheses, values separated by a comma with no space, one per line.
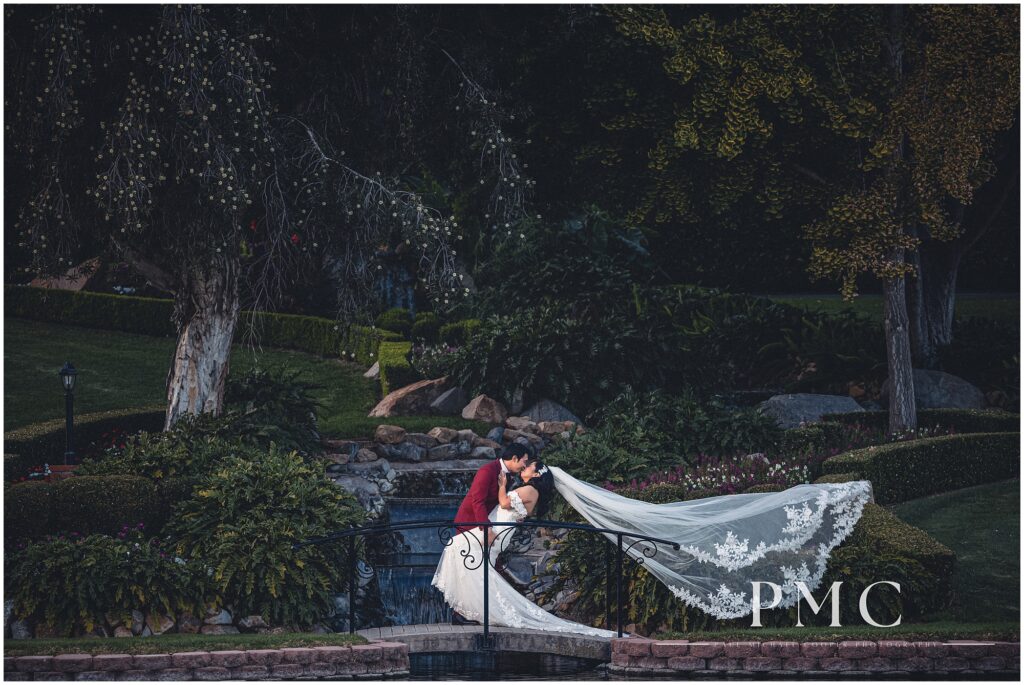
(902,405)
(931,298)
(207,309)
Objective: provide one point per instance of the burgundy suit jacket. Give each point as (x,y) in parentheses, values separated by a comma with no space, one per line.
(481,498)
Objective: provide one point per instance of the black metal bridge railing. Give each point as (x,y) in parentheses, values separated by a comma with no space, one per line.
(647,548)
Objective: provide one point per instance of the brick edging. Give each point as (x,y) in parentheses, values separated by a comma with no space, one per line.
(361,662)
(637,656)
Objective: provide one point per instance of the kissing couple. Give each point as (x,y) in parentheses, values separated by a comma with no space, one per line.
(724,543)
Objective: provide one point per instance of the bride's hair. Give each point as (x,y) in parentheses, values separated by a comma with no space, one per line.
(545,484)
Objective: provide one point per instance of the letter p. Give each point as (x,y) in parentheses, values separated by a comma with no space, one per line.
(756,600)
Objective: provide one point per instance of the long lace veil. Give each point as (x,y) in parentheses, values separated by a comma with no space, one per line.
(727,542)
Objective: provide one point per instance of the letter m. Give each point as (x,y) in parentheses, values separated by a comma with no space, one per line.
(833,594)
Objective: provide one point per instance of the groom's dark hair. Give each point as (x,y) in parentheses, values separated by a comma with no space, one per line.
(515,451)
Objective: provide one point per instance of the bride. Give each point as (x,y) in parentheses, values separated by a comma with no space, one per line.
(725,543)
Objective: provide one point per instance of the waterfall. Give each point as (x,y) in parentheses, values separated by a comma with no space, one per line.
(404,577)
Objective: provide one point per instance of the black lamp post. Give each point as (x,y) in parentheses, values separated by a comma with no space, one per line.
(67,379)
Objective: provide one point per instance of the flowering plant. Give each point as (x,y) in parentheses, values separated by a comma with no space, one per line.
(433,361)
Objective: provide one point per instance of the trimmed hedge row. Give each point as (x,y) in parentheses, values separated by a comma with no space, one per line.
(145,315)
(900,471)
(84,504)
(152,316)
(45,442)
(458,333)
(395,369)
(960,420)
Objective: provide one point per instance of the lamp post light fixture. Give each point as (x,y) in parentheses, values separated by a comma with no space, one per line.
(68,375)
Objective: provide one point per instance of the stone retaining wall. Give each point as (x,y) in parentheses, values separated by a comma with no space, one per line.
(641,656)
(372,661)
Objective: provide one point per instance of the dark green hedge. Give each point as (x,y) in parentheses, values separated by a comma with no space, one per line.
(960,420)
(838,478)
(458,333)
(45,442)
(396,320)
(395,369)
(900,471)
(427,327)
(27,509)
(85,504)
(145,315)
(151,316)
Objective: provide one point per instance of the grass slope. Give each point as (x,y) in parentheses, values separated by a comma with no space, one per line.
(123,370)
(940,631)
(166,644)
(982,525)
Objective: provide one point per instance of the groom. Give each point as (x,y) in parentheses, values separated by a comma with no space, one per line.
(482,497)
(483,493)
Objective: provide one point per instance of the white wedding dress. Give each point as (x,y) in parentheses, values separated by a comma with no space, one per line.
(460,578)
(725,543)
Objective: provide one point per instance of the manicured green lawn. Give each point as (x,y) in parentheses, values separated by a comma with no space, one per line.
(123,370)
(164,644)
(1008,630)
(982,525)
(967,305)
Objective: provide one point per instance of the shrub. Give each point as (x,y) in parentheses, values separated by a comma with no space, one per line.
(45,442)
(265,406)
(243,519)
(838,478)
(103,504)
(361,343)
(880,547)
(27,508)
(459,333)
(765,487)
(959,420)
(395,369)
(426,327)
(189,451)
(641,433)
(905,470)
(433,361)
(70,582)
(396,320)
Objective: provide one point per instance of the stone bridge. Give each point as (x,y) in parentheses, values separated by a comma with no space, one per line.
(442,637)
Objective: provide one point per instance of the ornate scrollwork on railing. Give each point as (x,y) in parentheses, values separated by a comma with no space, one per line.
(364,570)
(647,548)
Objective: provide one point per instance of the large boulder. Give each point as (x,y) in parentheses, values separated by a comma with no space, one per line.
(412,399)
(938,389)
(789,411)
(422,439)
(486,409)
(547,410)
(373,373)
(450,402)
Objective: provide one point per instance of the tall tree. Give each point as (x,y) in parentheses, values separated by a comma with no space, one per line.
(873,119)
(152,131)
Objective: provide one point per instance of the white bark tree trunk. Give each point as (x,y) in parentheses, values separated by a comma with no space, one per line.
(207,309)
